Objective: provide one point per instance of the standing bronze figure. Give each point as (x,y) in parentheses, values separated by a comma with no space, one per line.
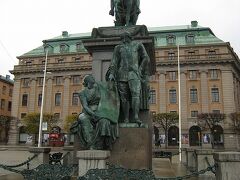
(130,70)
(126,12)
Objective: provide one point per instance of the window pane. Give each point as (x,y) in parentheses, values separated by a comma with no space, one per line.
(193,96)
(24,99)
(39,99)
(57,99)
(194,113)
(172,96)
(193,74)
(2,103)
(172,75)
(152,99)
(215,95)
(213,73)
(59,80)
(76,79)
(75,99)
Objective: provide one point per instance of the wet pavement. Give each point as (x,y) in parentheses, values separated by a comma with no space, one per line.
(162,167)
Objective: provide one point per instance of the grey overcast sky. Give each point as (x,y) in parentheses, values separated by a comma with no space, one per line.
(25,23)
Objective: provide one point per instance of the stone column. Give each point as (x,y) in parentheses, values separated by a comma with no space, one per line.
(229,105)
(184,155)
(228,164)
(191,162)
(14,131)
(201,162)
(162,91)
(204,91)
(43,154)
(32,96)
(48,95)
(66,97)
(184,104)
(91,159)
(228,92)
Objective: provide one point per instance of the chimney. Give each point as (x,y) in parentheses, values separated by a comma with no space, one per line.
(194,23)
(64,33)
(7,77)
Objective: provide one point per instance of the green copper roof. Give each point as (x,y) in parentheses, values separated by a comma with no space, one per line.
(202,35)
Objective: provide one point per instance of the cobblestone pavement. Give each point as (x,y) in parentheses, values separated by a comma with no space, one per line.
(162,167)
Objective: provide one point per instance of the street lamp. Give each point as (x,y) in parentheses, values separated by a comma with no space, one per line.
(179,105)
(43,92)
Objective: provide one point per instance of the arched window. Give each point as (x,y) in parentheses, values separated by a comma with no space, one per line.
(171,39)
(190,39)
(173,136)
(218,135)
(195,136)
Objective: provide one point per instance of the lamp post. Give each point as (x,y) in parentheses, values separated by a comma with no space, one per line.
(42,103)
(179,106)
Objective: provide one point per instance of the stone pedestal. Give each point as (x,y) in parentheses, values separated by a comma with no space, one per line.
(43,154)
(191,162)
(133,149)
(184,155)
(91,159)
(228,164)
(69,158)
(201,163)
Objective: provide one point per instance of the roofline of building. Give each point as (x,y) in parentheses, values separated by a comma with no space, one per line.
(3,79)
(182,30)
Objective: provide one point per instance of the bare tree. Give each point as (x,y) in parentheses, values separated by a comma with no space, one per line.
(235,117)
(165,121)
(208,121)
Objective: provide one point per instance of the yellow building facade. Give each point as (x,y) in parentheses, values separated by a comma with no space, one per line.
(209,77)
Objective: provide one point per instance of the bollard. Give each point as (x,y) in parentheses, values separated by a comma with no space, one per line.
(191,162)
(43,154)
(68,158)
(184,155)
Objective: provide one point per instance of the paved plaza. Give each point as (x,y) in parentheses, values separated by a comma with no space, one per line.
(162,167)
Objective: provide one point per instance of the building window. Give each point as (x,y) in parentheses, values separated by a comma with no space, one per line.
(9,105)
(40,81)
(213,73)
(57,99)
(152,99)
(74,113)
(59,80)
(171,55)
(28,63)
(192,74)
(77,59)
(171,39)
(76,79)
(193,96)
(216,111)
(212,54)
(60,61)
(56,116)
(194,114)
(190,39)
(172,96)
(172,75)
(43,61)
(23,115)
(26,82)
(78,46)
(63,48)
(39,99)
(75,99)
(24,100)
(2,103)
(173,111)
(215,95)
(10,92)
(4,89)
(191,54)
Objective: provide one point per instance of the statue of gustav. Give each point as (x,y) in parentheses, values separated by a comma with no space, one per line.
(130,70)
(126,12)
(97,125)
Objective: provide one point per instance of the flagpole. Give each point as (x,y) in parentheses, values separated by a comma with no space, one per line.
(42,102)
(179,106)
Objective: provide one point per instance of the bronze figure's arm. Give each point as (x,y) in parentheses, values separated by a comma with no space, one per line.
(111,12)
